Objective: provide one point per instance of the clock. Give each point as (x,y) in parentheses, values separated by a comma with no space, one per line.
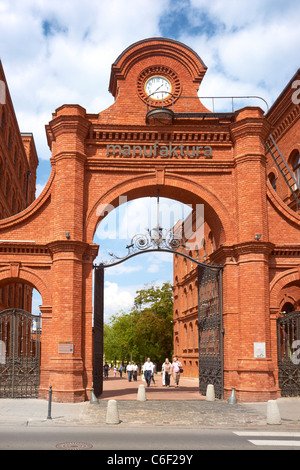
(157,84)
(158,87)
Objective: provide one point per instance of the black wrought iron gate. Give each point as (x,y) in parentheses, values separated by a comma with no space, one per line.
(288,347)
(98,330)
(210,328)
(19,354)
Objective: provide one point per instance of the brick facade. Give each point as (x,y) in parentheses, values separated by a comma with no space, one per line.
(18,164)
(156,151)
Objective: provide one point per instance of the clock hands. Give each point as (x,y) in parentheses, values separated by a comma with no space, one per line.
(160,91)
(158,88)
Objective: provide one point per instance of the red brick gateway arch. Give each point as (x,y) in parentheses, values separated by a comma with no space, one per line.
(156,136)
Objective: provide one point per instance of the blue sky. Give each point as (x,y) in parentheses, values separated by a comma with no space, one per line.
(56,52)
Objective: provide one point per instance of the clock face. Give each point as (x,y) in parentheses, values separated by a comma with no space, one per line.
(158,87)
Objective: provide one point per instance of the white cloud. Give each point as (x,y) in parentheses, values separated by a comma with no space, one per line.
(116,299)
(124,269)
(252,46)
(39,189)
(136,216)
(61,52)
(153,268)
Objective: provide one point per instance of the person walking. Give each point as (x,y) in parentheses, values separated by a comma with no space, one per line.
(135,371)
(148,371)
(153,373)
(167,372)
(176,365)
(163,381)
(106,370)
(129,371)
(121,370)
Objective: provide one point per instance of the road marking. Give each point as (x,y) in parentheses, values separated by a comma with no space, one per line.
(266,433)
(271,442)
(274,442)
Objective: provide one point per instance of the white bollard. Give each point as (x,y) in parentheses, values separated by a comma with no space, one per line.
(112,413)
(273,414)
(210,393)
(141,396)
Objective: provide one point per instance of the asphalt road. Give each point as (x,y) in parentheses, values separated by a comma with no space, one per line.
(134,440)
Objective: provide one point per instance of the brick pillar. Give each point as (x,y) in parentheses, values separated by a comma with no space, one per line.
(67,132)
(46,312)
(88,258)
(254,378)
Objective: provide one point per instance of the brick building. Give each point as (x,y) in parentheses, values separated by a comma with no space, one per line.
(18,164)
(284,255)
(159,136)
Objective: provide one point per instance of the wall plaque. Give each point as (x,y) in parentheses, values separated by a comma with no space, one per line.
(65,347)
(259,350)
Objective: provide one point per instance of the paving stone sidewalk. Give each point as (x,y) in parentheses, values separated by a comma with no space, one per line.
(176,413)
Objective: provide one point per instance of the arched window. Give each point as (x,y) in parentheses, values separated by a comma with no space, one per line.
(191,342)
(185,266)
(13,200)
(2,120)
(186,337)
(186,299)
(288,307)
(211,241)
(1,172)
(272,179)
(296,168)
(191,297)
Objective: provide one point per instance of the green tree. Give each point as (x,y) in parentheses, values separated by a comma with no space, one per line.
(154,328)
(146,331)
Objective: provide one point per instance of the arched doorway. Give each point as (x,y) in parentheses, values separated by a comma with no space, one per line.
(288,347)
(21,294)
(158,240)
(20,340)
(20,353)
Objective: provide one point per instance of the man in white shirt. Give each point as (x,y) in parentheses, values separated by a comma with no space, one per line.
(129,370)
(148,371)
(176,365)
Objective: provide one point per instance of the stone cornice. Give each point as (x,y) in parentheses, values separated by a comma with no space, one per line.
(79,156)
(207,135)
(250,122)
(67,119)
(67,246)
(234,251)
(290,250)
(68,124)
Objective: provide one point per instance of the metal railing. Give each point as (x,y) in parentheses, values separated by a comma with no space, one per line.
(226,102)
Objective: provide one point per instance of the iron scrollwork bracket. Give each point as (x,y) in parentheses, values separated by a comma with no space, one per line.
(156,239)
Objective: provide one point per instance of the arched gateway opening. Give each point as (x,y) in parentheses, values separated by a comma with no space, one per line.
(20,338)
(184,239)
